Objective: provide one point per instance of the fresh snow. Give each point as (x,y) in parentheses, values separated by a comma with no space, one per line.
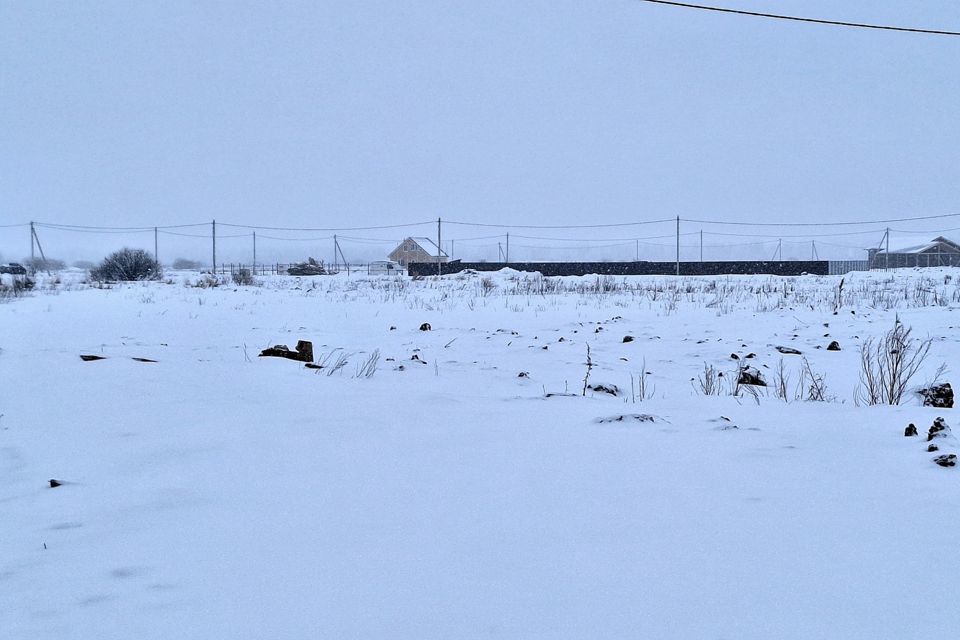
(215,494)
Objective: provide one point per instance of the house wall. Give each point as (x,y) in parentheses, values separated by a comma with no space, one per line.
(904,260)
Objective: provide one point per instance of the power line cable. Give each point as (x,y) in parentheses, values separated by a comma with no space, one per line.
(820,224)
(775,16)
(567,226)
(386,226)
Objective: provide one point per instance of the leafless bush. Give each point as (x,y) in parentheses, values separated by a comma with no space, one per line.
(243,277)
(185,264)
(369,366)
(709,382)
(811,386)
(127,265)
(781,382)
(640,389)
(888,364)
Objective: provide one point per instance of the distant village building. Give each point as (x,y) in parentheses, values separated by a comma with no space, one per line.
(939,252)
(417,250)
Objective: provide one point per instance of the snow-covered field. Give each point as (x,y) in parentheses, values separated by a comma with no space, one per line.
(215,494)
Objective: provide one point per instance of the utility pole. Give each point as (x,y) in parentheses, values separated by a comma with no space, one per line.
(214,236)
(678,245)
(156,256)
(335,247)
(886,255)
(439,251)
(508,248)
(254,251)
(33,261)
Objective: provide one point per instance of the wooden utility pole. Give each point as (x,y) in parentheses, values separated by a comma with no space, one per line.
(439,251)
(213,235)
(678,245)
(156,257)
(886,254)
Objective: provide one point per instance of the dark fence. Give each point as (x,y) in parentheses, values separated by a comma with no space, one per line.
(791,268)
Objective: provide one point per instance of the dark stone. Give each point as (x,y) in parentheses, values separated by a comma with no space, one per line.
(833,346)
(54,483)
(911,430)
(751,376)
(89,358)
(931,448)
(734,356)
(425,326)
(628,338)
(948,460)
(143,360)
(304,352)
(789,351)
(523,374)
(611,389)
(939,396)
(750,356)
(939,429)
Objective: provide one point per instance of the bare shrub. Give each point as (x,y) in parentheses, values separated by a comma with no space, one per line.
(127,265)
(781,382)
(183,263)
(709,382)
(369,366)
(811,386)
(44,264)
(888,364)
(243,277)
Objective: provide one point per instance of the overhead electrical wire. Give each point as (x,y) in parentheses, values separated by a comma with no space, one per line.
(371,228)
(821,224)
(776,16)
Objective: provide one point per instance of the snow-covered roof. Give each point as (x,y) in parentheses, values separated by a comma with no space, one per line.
(924,247)
(428,245)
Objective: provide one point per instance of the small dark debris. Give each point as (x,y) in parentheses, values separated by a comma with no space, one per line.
(143,359)
(630,417)
(303,352)
(789,351)
(91,358)
(910,431)
(523,374)
(611,389)
(939,429)
(833,346)
(628,338)
(948,460)
(425,326)
(751,376)
(931,448)
(54,483)
(750,356)
(392,328)
(734,356)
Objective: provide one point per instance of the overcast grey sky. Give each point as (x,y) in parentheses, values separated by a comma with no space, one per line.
(561,112)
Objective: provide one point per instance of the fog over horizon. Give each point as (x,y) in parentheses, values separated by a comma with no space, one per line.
(320,115)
